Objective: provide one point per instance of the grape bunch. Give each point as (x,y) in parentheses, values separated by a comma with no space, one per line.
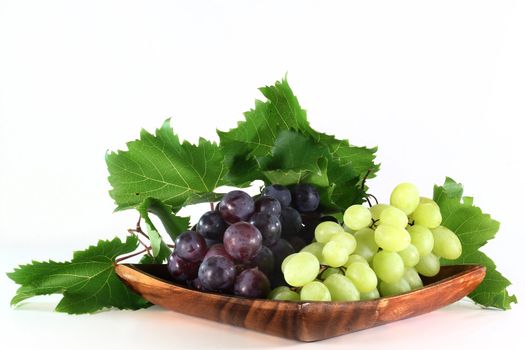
(238,247)
(378,251)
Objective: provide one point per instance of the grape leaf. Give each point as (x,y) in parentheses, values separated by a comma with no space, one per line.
(161,167)
(474,228)
(88,282)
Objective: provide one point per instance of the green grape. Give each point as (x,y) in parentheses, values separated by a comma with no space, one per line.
(377,209)
(405,196)
(335,254)
(348,229)
(363,277)
(392,238)
(288,295)
(428,265)
(410,255)
(394,288)
(427,213)
(446,244)
(325,230)
(357,217)
(413,279)
(388,266)
(394,217)
(370,295)
(345,239)
(277,290)
(315,291)
(300,269)
(285,261)
(316,249)
(341,288)
(422,239)
(355,258)
(330,271)
(366,244)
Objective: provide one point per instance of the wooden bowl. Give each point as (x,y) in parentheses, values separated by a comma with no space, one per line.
(304,321)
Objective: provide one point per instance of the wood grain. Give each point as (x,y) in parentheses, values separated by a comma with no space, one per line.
(304,321)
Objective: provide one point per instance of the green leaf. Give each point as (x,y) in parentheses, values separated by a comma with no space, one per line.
(160,166)
(88,282)
(474,228)
(173,224)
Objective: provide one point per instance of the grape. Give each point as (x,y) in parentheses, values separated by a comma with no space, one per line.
(363,277)
(277,290)
(180,269)
(242,241)
(394,288)
(283,293)
(291,222)
(405,196)
(300,269)
(422,239)
(268,225)
(427,213)
(366,243)
(328,218)
(446,243)
(264,261)
(394,217)
(330,271)
(428,265)
(335,254)
(325,230)
(357,217)
(280,251)
(388,266)
(316,249)
(305,198)
(210,242)
(410,256)
(197,284)
(413,279)
(355,258)
(191,246)
(315,291)
(285,261)
(311,217)
(370,295)
(297,243)
(211,226)
(217,273)
(252,283)
(281,193)
(377,209)
(341,288)
(345,239)
(392,238)
(268,205)
(236,206)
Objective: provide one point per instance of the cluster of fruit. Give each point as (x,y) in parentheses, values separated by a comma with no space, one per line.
(234,248)
(379,251)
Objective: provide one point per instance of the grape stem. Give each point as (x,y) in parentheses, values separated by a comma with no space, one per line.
(134,232)
(211,206)
(131,255)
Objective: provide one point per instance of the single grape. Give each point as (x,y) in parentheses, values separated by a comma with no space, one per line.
(180,269)
(325,230)
(377,209)
(242,241)
(279,192)
(392,238)
(286,295)
(341,288)
(297,243)
(393,288)
(191,246)
(217,250)
(357,217)
(388,266)
(346,239)
(252,283)
(268,205)
(363,277)
(300,269)
(370,295)
(236,206)
(446,244)
(217,273)
(315,291)
(335,254)
(422,239)
(394,217)
(366,243)
(305,198)
(211,226)
(285,261)
(355,258)
(428,265)
(330,271)
(316,249)
(427,213)
(264,260)
(268,225)
(405,196)
(280,251)
(413,279)
(277,290)
(291,222)
(410,255)
(307,232)
(197,284)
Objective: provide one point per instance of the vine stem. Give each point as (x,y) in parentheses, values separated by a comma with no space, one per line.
(130,255)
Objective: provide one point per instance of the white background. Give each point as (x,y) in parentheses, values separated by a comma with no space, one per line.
(438,86)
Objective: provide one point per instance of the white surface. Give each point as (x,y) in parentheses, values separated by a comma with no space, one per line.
(437,85)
